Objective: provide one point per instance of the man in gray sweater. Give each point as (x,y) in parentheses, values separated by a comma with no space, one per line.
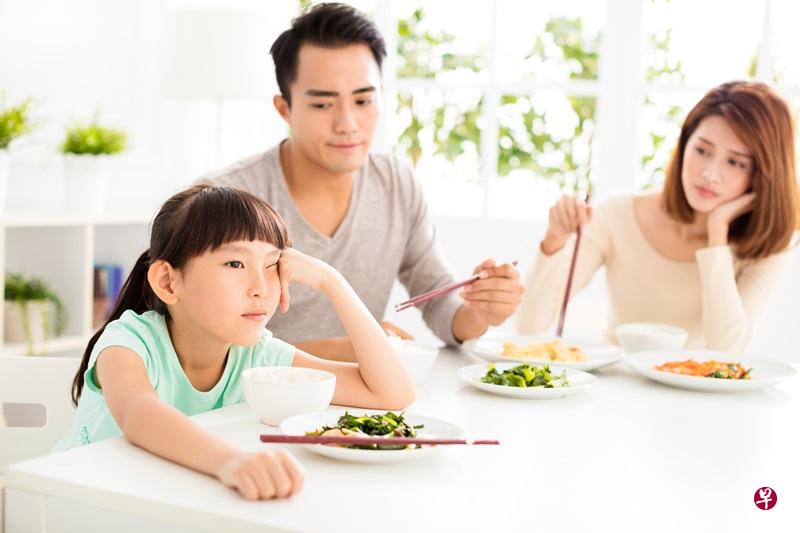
(362,213)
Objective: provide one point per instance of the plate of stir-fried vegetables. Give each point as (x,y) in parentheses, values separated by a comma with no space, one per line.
(369,423)
(708,370)
(522,380)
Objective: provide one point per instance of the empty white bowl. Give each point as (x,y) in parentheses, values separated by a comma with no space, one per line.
(416,359)
(275,393)
(645,336)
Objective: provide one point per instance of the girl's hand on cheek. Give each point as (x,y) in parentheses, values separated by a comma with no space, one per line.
(297,267)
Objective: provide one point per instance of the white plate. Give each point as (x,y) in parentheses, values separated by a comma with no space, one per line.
(578,380)
(434,428)
(765,373)
(598,355)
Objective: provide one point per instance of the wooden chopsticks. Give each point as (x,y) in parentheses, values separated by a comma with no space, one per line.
(578,232)
(422,298)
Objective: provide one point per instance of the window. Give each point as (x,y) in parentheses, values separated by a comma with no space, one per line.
(501,105)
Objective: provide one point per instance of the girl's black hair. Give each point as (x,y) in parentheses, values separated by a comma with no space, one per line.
(199,219)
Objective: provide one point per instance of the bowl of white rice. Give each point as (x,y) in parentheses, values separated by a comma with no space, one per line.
(275,393)
(645,336)
(417,359)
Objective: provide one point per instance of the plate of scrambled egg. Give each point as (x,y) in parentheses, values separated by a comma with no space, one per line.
(581,355)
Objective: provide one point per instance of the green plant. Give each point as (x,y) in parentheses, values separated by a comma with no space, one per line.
(14,121)
(94,139)
(21,290)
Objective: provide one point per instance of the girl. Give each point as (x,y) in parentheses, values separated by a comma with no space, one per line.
(705,252)
(191,317)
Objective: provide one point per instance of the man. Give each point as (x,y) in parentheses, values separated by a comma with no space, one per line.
(364,214)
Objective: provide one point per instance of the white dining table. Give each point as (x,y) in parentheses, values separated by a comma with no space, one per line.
(626,455)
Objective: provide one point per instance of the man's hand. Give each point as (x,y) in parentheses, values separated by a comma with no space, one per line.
(488,301)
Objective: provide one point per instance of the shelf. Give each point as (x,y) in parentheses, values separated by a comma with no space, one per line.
(59,344)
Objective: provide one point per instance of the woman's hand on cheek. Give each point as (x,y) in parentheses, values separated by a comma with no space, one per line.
(719,220)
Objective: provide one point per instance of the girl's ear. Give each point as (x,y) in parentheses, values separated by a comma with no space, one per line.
(161,277)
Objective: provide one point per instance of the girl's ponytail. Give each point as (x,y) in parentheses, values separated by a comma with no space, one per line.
(136,295)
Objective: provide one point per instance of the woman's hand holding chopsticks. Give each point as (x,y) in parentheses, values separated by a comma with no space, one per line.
(567,215)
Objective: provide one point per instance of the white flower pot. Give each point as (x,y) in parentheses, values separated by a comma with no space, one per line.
(32,322)
(85,183)
(5,161)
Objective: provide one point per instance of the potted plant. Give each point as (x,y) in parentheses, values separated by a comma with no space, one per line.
(14,121)
(86,150)
(33,312)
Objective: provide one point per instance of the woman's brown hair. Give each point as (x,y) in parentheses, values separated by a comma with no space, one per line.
(762,121)
(199,219)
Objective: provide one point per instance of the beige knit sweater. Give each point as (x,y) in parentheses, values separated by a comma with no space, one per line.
(717,297)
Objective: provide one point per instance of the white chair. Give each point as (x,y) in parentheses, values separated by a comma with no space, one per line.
(35,380)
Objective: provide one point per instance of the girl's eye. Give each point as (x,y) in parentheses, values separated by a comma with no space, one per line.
(737,164)
(701,151)
(235,264)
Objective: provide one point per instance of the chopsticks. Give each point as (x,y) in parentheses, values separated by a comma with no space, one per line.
(422,298)
(322,439)
(578,232)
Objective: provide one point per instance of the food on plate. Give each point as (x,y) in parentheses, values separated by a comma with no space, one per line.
(385,425)
(555,350)
(706,369)
(525,375)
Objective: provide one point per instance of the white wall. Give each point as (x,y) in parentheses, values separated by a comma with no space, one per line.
(81,57)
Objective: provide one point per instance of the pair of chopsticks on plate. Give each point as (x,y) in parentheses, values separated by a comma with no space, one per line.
(435,293)
(332,439)
(578,232)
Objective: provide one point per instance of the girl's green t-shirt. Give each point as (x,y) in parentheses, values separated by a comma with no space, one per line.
(148,337)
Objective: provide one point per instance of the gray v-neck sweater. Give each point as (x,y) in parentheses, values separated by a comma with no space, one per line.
(386,234)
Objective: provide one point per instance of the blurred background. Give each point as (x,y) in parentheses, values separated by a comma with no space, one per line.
(500,105)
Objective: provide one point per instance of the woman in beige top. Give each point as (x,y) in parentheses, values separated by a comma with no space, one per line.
(703,253)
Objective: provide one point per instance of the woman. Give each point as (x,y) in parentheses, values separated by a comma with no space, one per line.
(704,252)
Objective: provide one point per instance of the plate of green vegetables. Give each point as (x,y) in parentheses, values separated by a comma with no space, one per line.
(532,381)
(355,422)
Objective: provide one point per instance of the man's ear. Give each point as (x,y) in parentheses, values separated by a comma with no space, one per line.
(161,277)
(281,106)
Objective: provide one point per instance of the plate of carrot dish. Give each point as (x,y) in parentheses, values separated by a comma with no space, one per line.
(708,370)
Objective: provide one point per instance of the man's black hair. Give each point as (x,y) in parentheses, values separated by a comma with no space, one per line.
(331,25)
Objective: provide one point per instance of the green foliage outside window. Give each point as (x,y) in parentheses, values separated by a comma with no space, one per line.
(422,54)
(525,143)
(667,69)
